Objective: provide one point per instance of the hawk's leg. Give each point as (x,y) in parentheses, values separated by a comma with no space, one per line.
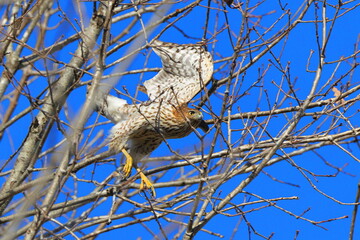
(145,182)
(128,163)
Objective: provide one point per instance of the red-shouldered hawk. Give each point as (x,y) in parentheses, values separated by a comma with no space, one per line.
(140,128)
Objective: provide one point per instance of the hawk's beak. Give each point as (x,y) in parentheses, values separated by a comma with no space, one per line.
(204,126)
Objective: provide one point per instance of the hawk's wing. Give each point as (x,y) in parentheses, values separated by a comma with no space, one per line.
(187,68)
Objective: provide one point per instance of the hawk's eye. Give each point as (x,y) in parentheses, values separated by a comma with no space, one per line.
(192,112)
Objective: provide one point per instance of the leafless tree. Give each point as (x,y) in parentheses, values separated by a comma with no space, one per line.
(266,104)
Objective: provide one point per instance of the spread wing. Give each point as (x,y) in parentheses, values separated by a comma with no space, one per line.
(187,68)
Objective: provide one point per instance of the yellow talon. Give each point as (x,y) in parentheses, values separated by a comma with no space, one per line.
(128,163)
(146,183)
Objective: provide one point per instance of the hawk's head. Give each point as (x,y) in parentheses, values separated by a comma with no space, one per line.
(194,116)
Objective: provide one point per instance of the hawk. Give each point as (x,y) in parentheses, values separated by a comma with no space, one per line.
(140,128)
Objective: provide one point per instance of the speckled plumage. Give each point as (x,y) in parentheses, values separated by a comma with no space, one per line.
(186,70)
(149,125)
(140,128)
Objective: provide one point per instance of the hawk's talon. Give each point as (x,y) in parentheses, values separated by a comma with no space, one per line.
(146,183)
(128,163)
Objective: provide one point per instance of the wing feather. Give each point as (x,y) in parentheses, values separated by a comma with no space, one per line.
(187,68)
